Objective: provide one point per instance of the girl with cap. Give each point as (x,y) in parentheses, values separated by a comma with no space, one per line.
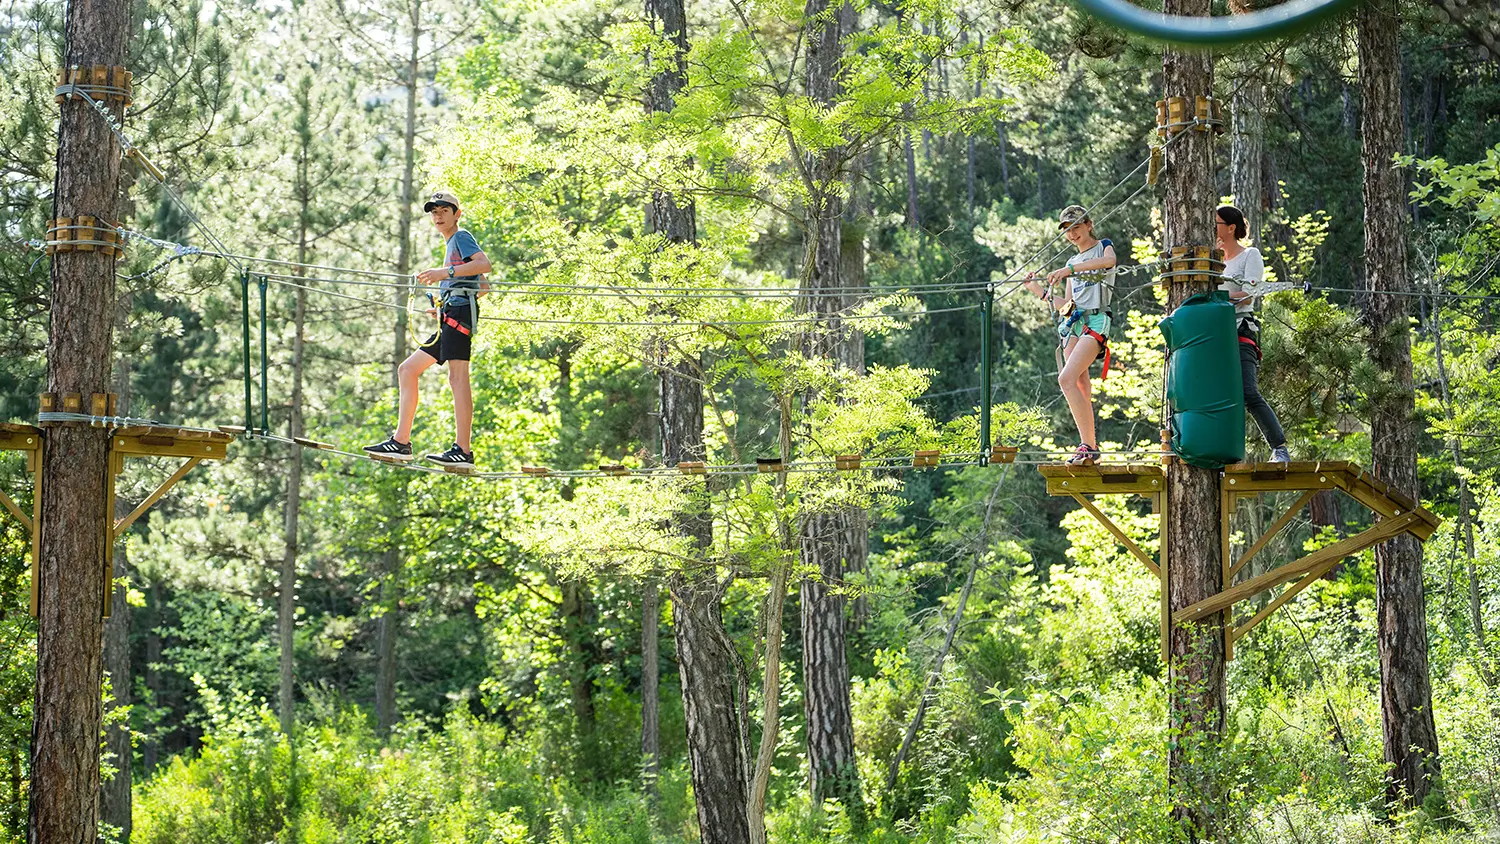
(1086,325)
(1243,265)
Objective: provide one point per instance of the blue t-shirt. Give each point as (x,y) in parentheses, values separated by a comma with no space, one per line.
(461,247)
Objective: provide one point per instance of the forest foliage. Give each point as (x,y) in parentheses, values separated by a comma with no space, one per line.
(964,127)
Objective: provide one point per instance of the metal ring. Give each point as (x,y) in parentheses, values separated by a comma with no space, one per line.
(1260,25)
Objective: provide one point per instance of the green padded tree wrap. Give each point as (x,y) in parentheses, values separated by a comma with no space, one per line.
(1204,387)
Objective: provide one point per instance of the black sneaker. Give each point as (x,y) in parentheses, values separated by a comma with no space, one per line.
(454,457)
(390,450)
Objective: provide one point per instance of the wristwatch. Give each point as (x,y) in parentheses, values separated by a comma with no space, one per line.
(450,272)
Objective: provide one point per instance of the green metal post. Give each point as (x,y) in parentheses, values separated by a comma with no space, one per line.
(245,325)
(265,426)
(986,363)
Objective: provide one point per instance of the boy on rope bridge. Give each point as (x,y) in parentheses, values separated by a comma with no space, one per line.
(460,284)
(1086,321)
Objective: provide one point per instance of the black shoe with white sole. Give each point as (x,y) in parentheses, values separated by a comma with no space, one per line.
(390,450)
(454,457)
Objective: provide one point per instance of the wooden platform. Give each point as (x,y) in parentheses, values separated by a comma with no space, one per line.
(1394,512)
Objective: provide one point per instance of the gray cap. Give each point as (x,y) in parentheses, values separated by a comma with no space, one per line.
(441,198)
(1072,216)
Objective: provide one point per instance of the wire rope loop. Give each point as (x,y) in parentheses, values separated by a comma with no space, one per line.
(1286,19)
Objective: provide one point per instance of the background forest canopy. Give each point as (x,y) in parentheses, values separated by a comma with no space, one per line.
(310,648)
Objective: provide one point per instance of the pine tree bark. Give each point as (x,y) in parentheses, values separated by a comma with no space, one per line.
(1247,155)
(825,537)
(390,588)
(1411,746)
(651,690)
(75,519)
(151,746)
(115,796)
(1195,659)
(706,667)
(286,614)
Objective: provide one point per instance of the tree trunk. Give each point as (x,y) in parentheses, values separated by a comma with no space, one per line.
(151,746)
(713,733)
(287,587)
(825,536)
(770,717)
(1248,108)
(114,797)
(913,219)
(707,669)
(390,588)
(1411,748)
(75,518)
(580,620)
(1195,660)
(651,689)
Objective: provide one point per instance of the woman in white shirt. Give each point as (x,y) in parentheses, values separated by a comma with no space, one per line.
(1091,274)
(1243,264)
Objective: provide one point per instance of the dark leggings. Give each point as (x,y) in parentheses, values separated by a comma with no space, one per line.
(1265,417)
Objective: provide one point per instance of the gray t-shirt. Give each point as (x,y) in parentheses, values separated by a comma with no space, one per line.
(461,247)
(1244,267)
(1093,289)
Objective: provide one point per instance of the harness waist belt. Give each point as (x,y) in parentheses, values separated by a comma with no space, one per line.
(456,325)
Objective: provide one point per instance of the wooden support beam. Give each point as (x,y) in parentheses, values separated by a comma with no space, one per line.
(124,524)
(148,445)
(35,465)
(1286,595)
(1133,479)
(1375,495)
(1269,534)
(1337,551)
(1114,529)
(1164,556)
(1227,501)
(16,511)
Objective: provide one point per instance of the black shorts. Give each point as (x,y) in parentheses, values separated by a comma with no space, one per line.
(454,338)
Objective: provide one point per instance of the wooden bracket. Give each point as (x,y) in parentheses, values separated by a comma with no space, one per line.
(28,440)
(1396,513)
(150,441)
(1109,525)
(927,457)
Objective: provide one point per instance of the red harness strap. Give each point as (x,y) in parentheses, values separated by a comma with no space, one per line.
(457,326)
(1103,344)
(1254,345)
